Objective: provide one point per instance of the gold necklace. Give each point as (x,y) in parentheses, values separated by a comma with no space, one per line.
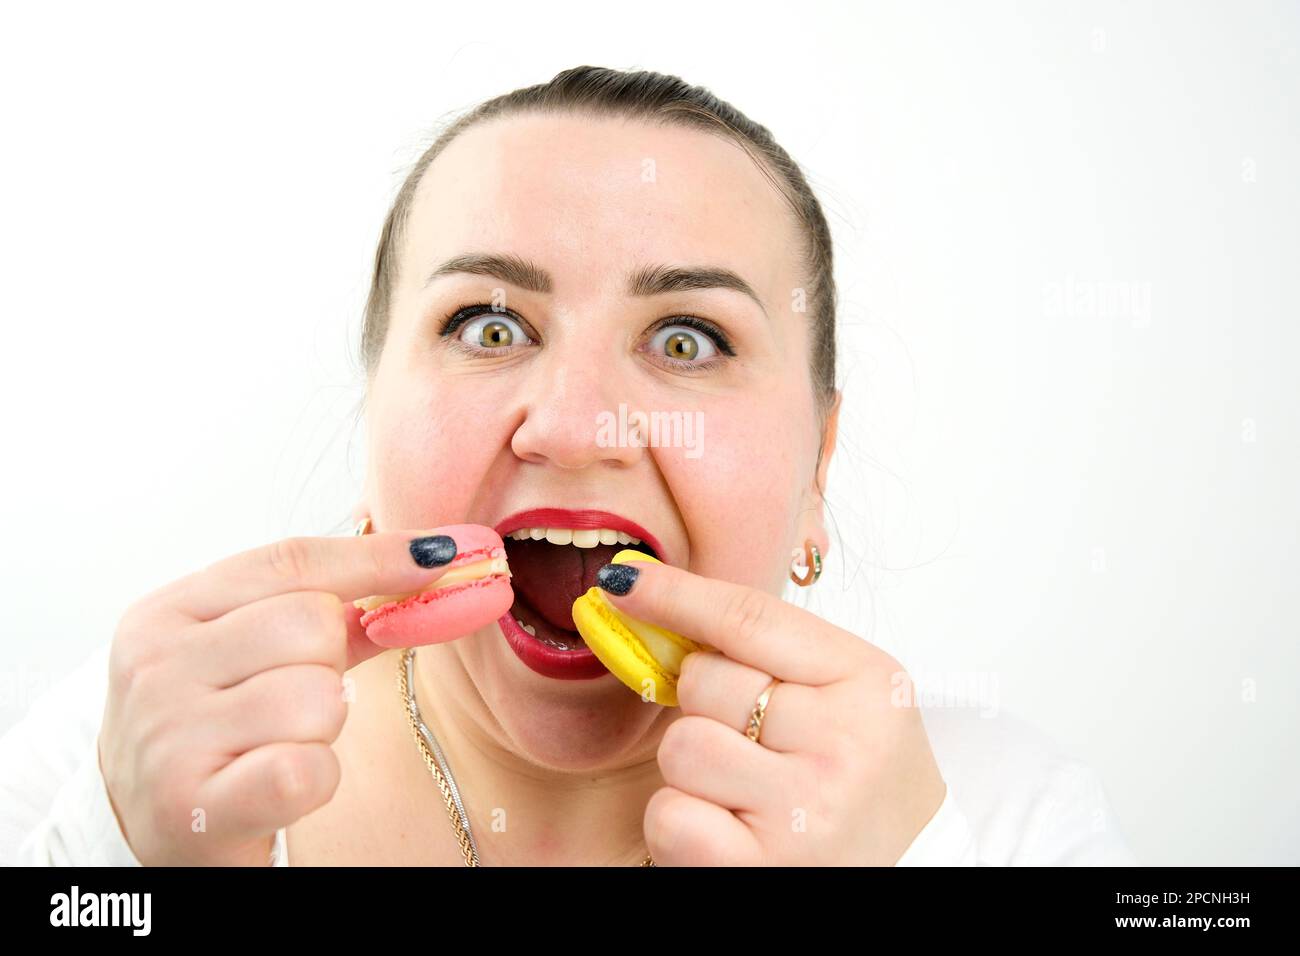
(437,762)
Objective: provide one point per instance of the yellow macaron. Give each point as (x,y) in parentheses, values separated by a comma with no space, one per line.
(643,656)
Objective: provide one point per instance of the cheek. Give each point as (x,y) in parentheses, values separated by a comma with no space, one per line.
(740,498)
(430,448)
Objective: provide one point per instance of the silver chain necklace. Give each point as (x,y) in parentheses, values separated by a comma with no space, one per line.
(432,743)
(436,761)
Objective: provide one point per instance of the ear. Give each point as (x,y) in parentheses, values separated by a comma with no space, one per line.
(362,507)
(828,442)
(813,519)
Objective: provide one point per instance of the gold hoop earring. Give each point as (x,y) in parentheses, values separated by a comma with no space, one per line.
(363,527)
(811,565)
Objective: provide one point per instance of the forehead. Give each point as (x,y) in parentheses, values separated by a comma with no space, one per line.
(591,198)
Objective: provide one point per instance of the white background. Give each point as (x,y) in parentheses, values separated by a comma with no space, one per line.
(1092,508)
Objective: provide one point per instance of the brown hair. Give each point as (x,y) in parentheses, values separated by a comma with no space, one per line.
(639,94)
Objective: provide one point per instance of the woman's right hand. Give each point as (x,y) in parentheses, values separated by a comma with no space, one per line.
(225,692)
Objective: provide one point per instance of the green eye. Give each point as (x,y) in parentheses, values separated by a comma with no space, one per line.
(682,344)
(493,332)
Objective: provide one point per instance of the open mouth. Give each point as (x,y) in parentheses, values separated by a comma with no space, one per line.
(552,567)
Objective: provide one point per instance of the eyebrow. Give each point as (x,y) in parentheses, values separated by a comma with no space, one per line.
(644,281)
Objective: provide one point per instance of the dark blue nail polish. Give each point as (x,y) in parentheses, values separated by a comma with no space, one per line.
(433,551)
(617,578)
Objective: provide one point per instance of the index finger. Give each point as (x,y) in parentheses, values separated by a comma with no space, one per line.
(352,567)
(748,625)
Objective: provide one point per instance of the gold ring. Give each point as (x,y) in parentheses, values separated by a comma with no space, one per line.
(363,526)
(755,727)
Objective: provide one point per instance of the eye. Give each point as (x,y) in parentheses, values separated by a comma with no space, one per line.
(483,330)
(682,344)
(494,332)
(685,342)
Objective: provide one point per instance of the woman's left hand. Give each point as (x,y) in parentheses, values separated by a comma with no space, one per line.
(842,775)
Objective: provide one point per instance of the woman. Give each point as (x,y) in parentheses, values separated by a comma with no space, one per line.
(600,242)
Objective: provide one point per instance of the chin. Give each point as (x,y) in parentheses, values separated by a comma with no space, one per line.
(563,724)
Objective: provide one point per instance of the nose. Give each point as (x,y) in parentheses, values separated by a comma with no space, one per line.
(571,416)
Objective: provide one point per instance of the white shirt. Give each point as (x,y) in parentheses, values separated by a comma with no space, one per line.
(1013,797)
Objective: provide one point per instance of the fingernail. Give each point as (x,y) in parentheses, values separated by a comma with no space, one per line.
(433,551)
(617,578)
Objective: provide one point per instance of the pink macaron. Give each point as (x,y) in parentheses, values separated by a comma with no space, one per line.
(454,610)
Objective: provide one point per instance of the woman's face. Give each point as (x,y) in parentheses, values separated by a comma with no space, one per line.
(519,408)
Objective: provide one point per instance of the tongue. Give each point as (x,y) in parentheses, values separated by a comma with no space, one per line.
(550,577)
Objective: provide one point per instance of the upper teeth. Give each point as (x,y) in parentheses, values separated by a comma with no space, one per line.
(585,538)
